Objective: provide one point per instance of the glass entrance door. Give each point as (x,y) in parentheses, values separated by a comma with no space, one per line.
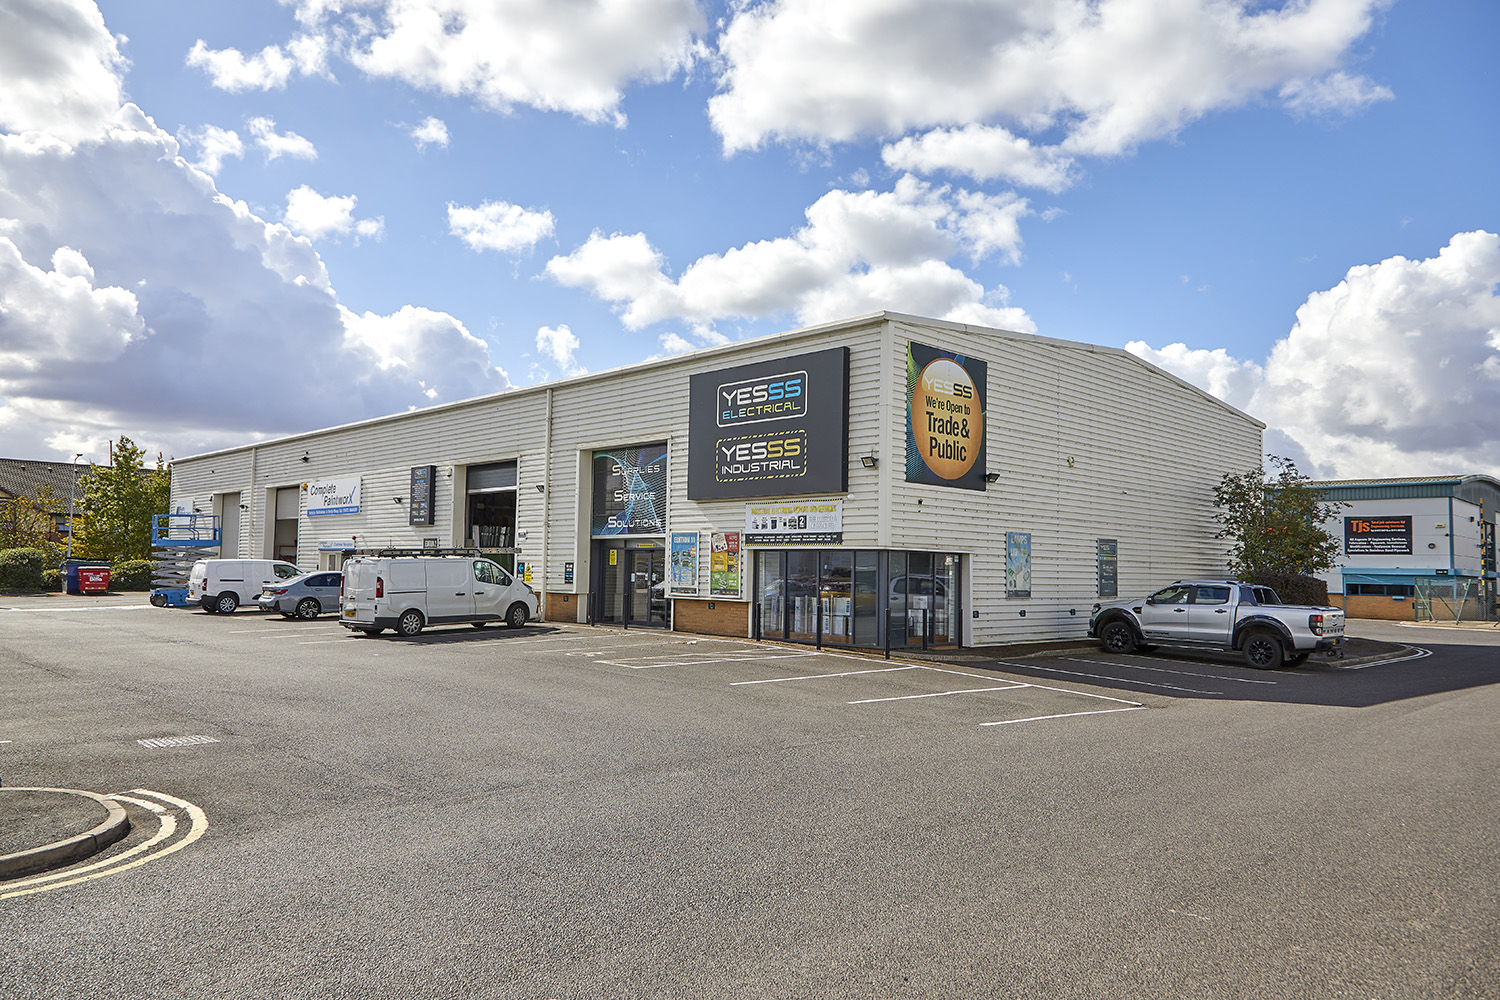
(646,602)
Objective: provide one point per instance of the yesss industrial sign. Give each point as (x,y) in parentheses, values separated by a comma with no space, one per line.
(776,428)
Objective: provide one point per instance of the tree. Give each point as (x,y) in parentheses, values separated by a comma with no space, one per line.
(118,504)
(26,522)
(1275,522)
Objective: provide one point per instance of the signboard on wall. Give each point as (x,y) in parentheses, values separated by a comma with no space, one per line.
(945,414)
(1109,567)
(774,428)
(682,573)
(1382,536)
(630,490)
(419,498)
(812,522)
(724,565)
(1017,564)
(332,496)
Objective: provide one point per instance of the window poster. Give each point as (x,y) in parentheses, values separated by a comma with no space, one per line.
(724,565)
(683,574)
(630,490)
(1017,564)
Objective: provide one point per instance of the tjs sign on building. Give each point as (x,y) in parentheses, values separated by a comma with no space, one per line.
(776,428)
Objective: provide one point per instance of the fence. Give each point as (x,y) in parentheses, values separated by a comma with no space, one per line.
(1457,600)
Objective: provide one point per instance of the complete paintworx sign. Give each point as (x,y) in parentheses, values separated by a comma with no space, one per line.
(333,496)
(775,428)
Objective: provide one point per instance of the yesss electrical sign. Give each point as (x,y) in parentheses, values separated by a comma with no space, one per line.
(775,428)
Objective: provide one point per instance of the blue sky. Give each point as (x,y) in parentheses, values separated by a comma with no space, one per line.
(1289,204)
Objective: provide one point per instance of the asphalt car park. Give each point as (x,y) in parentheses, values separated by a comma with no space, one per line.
(564,811)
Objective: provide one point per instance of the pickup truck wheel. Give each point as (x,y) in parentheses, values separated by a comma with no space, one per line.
(1263,650)
(410,622)
(1117,637)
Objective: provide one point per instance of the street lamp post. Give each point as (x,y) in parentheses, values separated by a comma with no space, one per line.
(71,495)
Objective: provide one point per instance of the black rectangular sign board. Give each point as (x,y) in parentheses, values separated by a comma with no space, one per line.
(770,429)
(419,501)
(1383,536)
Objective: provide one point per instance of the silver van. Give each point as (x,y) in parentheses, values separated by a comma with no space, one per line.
(409,592)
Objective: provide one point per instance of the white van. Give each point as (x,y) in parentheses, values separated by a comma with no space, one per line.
(408,593)
(221,585)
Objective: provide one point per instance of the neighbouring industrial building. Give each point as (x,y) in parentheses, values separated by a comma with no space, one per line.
(883,479)
(1415,549)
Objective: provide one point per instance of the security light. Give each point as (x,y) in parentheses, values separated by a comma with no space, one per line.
(992,477)
(869,461)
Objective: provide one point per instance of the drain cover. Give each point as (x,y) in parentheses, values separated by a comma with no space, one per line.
(177,741)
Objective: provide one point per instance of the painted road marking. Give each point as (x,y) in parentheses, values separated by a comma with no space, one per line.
(136,856)
(703,663)
(96,607)
(1166,670)
(1106,677)
(942,694)
(1420,652)
(818,677)
(1064,715)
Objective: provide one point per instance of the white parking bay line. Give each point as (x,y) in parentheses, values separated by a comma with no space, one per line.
(1166,670)
(944,694)
(1105,677)
(1064,715)
(818,677)
(701,663)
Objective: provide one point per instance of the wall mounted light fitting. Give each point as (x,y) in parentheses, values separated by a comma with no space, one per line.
(992,477)
(869,461)
(540,488)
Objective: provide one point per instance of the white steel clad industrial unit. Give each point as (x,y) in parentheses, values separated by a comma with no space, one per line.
(1082,444)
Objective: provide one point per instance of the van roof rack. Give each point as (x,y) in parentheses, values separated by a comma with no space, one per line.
(411,551)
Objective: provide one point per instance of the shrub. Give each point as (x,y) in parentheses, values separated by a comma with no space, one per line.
(1295,588)
(51,579)
(21,569)
(132,574)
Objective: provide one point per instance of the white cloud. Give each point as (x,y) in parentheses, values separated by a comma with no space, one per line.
(1105,75)
(215,145)
(268,69)
(1336,93)
(430,132)
(137,299)
(860,252)
(280,144)
(574,57)
(1395,371)
(561,346)
(63,68)
(318,217)
(984,153)
(499,225)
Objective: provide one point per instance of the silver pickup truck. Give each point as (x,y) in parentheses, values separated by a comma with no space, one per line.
(1221,615)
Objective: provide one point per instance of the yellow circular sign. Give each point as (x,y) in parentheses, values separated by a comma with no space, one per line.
(947,420)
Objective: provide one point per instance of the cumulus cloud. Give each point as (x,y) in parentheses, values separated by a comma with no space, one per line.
(574,57)
(277,144)
(1395,371)
(430,132)
(63,68)
(214,144)
(318,217)
(561,346)
(860,252)
(155,306)
(499,225)
(269,69)
(1334,94)
(1096,79)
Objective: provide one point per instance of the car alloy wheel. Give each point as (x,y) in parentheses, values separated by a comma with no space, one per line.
(410,623)
(308,607)
(516,616)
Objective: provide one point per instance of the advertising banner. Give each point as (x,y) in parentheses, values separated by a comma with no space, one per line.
(813,522)
(333,496)
(630,490)
(1383,536)
(945,413)
(682,575)
(724,565)
(1017,564)
(419,501)
(774,428)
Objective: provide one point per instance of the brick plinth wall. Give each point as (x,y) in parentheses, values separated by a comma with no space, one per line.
(564,607)
(730,618)
(1374,606)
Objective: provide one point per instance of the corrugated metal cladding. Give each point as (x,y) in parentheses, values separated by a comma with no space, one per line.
(1415,491)
(1087,443)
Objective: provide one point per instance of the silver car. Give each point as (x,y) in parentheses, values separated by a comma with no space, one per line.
(305,596)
